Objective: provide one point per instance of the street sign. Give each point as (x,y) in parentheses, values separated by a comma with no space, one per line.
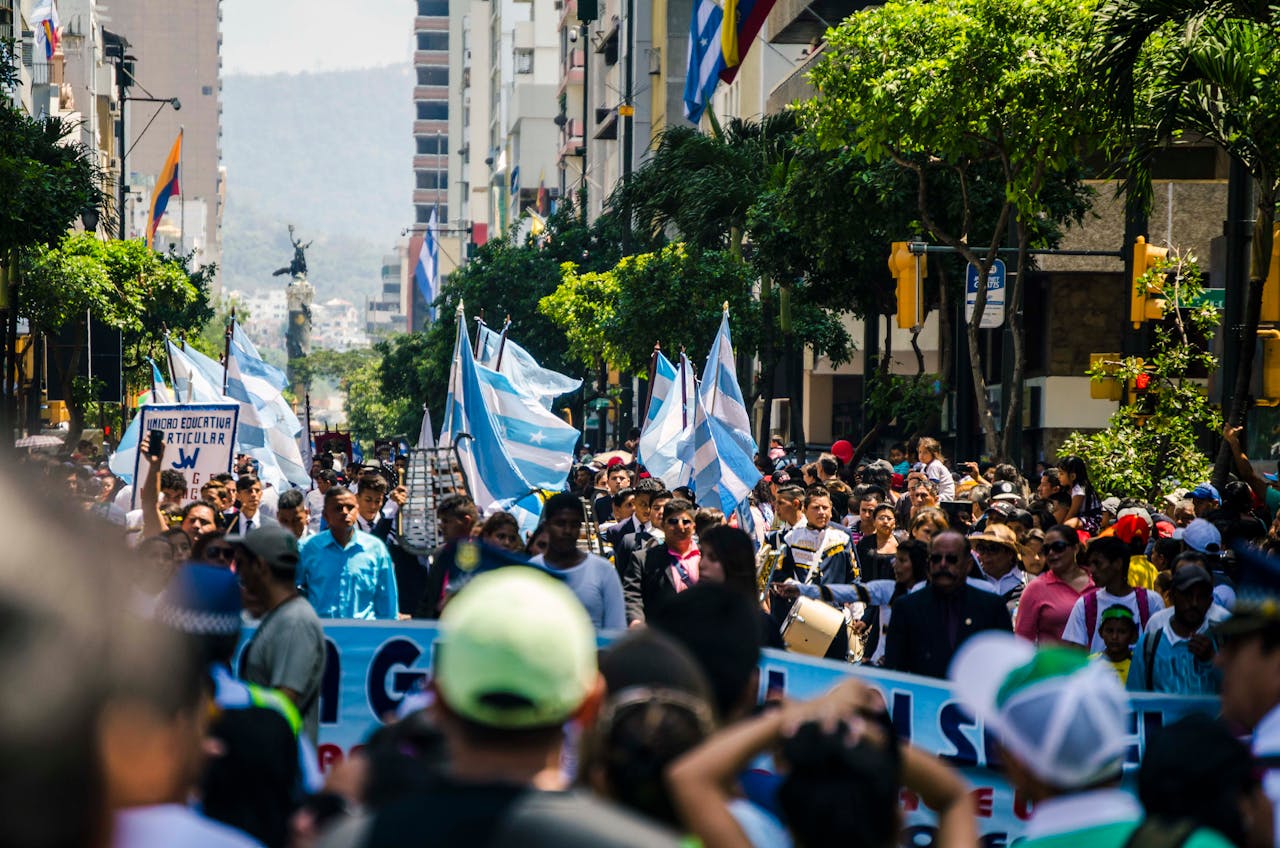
(993,314)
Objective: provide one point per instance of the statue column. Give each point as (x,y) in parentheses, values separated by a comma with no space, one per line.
(298,334)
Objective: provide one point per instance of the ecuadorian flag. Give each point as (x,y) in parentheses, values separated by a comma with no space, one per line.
(166,188)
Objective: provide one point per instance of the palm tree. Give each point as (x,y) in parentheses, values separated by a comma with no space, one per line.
(1206,67)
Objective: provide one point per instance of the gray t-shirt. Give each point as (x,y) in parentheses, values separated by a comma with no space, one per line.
(595,582)
(288,652)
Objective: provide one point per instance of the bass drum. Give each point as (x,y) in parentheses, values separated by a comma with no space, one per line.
(811,627)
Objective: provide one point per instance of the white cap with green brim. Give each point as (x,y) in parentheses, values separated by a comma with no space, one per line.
(1063,717)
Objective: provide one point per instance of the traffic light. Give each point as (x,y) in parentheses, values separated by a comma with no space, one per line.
(909,271)
(1269,376)
(1105,385)
(1271,288)
(1146,297)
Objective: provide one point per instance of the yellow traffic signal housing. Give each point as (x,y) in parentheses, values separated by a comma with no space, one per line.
(1146,297)
(1271,288)
(1269,390)
(1107,387)
(909,272)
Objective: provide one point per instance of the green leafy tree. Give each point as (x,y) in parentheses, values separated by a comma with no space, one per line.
(46,183)
(1208,68)
(1152,443)
(955,86)
(124,284)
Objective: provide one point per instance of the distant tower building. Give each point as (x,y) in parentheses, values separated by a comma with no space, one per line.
(431,166)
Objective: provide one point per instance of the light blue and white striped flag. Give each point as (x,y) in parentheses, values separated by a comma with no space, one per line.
(719,390)
(538,442)
(160,392)
(668,428)
(252,361)
(524,372)
(279,426)
(492,477)
(704,59)
(191,382)
(723,475)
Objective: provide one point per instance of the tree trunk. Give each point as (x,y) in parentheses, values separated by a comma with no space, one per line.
(1259,265)
(1013,392)
(945,330)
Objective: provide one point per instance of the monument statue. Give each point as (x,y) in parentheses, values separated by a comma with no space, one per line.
(300,294)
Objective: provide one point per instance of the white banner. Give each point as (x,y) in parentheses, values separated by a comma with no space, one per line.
(199,441)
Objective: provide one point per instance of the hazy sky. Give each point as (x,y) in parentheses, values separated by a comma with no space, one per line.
(273,36)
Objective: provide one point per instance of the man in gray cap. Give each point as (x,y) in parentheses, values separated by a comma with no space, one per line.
(287,651)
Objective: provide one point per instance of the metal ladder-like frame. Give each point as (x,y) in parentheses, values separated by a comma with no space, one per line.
(432,474)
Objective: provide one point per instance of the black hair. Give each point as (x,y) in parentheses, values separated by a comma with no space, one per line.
(648,485)
(1069,534)
(460,504)
(290,499)
(562,502)
(815,493)
(1197,769)
(622,495)
(835,791)
(246,481)
(328,475)
(1167,548)
(1110,548)
(871,493)
(334,492)
(371,483)
(720,627)
(918,553)
(209,505)
(737,555)
(250,786)
(170,479)
(706,518)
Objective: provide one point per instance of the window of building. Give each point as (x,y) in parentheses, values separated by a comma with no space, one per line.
(434,75)
(433,8)
(430,145)
(433,41)
(432,179)
(433,110)
(422,213)
(524,60)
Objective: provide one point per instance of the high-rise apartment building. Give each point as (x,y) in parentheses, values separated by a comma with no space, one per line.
(177,50)
(433,43)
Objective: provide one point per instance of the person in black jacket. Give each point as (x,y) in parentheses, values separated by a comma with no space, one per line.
(928,626)
(659,572)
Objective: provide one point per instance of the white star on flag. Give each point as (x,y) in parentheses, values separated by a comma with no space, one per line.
(538,438)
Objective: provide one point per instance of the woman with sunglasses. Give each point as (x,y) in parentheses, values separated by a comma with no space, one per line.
(1047,601)
(213,548)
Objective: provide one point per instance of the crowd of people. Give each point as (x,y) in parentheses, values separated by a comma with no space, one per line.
(1040,600)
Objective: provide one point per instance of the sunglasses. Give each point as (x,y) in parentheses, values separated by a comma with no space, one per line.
(951,559)
(1056,547)
(225,553)
(680,521)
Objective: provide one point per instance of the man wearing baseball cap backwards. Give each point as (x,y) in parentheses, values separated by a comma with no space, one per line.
(1249,656)
(1062,724)
(515,661)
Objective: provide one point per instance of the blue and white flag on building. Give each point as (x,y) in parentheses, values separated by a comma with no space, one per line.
(492,477)
(719,391)
(524,372)
(723,475)
(427,272)
(705,58)
(667,436)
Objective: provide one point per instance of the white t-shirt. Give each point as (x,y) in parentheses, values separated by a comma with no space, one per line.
(938,473)
(171,824)
(1074,631)
(1077,491)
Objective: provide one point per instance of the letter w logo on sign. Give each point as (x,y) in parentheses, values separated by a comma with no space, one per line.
(185,461)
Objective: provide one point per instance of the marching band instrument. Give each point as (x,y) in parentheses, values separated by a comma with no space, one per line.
(589,540)
(767,559)
(811,626)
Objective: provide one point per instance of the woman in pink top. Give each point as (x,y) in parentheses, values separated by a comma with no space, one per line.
(1047,601)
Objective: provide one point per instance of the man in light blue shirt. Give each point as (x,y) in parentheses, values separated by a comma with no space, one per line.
(343,572)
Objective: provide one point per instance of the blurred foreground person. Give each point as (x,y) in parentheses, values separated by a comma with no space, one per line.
(1062,722)
(515,661)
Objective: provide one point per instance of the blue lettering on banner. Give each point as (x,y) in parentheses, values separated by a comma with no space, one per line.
(371,665)
(184,461)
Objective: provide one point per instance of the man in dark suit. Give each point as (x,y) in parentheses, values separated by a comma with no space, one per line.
(249,500)
(456,515)
(650,503)
(661,571)
(928,626)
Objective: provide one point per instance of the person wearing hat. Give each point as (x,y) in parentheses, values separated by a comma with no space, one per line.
(287,650)
(1204,499)
(999,563)
(1249,656)
(1204,538)
(514,663)
(1038,703)
(1133,527)
(1177,658)
(842,449)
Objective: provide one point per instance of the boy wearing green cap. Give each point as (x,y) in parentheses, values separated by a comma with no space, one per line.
(1062,724)
(1118,631)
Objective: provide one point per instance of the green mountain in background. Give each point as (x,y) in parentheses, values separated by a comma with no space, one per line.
(329,152)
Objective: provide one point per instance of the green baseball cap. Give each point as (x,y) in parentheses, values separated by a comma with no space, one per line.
(516,651)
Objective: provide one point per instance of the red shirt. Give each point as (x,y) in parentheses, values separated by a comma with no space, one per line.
(1045,606)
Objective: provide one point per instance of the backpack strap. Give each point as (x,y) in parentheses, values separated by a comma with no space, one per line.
(1159,833)
(1150,641)
(1090,616)
(1144,606)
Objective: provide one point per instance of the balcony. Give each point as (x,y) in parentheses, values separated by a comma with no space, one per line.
(800,21)
(431,161)
(431,127)
(606,123)
(571,138)
(431,92)
(572,69)
(431,57)
(569,15)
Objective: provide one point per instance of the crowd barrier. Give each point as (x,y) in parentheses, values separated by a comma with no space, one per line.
(371,665)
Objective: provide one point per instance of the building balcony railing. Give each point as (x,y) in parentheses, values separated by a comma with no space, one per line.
(431,92)
(571,138)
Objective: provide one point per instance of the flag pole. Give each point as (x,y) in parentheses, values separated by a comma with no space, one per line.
(684,409)
(226,356)
(177,395)
(479,324)
(182,197)
(502,343)
(653,367)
